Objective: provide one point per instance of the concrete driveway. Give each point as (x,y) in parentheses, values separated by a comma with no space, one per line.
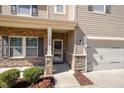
(106,79)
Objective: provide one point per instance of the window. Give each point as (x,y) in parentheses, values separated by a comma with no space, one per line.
(34,10)
(60,9)
(99,8)
(31,47)
(24,9)
(15,47)
(102,9)
(23,47)
(13,9)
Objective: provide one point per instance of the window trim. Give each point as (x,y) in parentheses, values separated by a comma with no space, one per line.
(56,12)
(23,47)
(100,12)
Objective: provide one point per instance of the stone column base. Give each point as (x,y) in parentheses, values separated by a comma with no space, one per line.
(79,63)
(48,65)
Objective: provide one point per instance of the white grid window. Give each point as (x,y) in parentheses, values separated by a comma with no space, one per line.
(15,47)
(99,8)
(24,9)
(21,47)
(60,9)
(31,47)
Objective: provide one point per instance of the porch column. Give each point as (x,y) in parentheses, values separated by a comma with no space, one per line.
(49,56)
(49,50)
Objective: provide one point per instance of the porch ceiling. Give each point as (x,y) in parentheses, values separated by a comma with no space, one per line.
(35,23)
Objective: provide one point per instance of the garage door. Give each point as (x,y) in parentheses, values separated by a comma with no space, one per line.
(104,55)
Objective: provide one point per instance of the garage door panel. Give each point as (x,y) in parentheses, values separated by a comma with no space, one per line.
(106,56)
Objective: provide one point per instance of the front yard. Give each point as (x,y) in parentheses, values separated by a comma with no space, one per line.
(32,78)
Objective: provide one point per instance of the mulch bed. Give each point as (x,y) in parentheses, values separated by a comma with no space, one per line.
(45,82)
(82,79)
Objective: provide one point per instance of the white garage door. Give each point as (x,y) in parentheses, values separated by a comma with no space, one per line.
(104,55)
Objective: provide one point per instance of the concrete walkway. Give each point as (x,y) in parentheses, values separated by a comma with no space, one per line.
(64,77)
(106,79)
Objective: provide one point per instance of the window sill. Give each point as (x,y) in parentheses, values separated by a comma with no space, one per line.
(101,13)
(57,13)
(23,57)
(24,15)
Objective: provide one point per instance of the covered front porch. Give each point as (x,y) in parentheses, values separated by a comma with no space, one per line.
(54,40)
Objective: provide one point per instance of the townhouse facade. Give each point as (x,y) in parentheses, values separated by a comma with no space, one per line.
(87,38)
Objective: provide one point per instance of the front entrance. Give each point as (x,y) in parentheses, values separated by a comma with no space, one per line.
(58,50)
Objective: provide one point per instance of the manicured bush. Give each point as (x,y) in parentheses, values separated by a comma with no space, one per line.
(8,78)
(32,75)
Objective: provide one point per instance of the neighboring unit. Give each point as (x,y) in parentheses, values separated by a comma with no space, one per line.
(103,27)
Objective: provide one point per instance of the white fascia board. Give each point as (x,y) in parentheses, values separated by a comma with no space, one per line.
(105,38)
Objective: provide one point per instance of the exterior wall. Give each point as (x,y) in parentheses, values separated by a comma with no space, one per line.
(52,15)
(22,62)
(106,43)
(6,10)
(48,14)
(17,62)
(94,24)
(70,47)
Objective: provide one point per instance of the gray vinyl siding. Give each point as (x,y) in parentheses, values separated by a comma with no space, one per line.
(6,10)
(52,15)
(94,24)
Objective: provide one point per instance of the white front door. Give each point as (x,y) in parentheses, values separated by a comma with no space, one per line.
(58,50)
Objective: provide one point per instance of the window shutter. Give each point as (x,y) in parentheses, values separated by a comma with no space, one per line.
(5,47)
(0,9)
(34,10)
(108,9)
(14,9)
(90,7)
(40,47)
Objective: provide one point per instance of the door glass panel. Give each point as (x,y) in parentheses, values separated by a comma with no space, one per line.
(57,45)
(58,52)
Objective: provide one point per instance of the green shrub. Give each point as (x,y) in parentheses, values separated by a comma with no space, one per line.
(32,75)
(3,84)
(8,78)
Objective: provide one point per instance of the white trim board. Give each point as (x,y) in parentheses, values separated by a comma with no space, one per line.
(105,38)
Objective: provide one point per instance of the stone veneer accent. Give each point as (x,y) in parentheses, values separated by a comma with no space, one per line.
(79,63)
(22,62)
(0,46)
(48,65)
